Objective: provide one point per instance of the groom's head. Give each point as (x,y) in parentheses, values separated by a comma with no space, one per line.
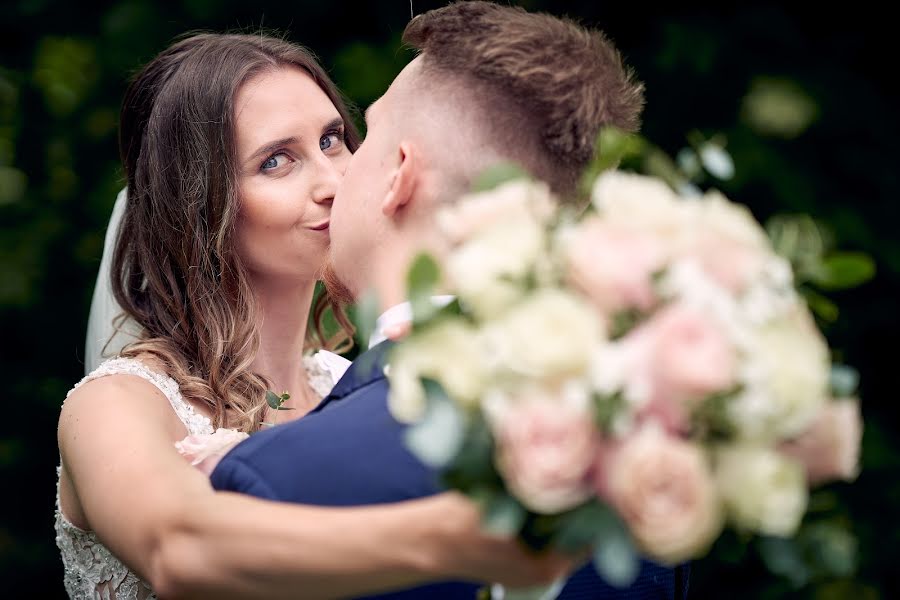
(491,84)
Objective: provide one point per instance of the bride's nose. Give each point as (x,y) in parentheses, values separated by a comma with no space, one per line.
(328,177)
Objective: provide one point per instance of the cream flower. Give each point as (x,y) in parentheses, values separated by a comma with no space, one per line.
(448,352)
(549,334)
(764,491)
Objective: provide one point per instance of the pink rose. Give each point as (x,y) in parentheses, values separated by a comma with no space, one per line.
(672,362)
(546,447)
(614,266)
(205,450)
(692,358)
(829,449)
(730,263)
(664,491)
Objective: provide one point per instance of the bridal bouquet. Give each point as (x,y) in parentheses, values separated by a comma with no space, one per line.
(635,380)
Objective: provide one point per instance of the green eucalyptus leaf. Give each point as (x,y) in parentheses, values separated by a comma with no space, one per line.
(503,515)
(843,270)
(437,438)
(615,558)
(273,400)
(421,280)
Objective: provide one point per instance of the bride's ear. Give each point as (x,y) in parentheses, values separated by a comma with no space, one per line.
(403,180)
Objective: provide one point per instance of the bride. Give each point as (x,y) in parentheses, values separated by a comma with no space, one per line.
(233,147)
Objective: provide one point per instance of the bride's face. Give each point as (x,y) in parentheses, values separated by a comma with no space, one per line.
(291,157)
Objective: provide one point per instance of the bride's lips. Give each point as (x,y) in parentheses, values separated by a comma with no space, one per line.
(320,226)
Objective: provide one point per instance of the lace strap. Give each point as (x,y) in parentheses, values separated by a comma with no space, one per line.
(195,422)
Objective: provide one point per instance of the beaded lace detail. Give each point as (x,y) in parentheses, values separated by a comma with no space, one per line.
(90,569)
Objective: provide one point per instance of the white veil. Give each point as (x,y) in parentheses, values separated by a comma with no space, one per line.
(102,340)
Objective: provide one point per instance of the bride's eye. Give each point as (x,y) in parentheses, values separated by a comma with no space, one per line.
(274,161)
(330,140)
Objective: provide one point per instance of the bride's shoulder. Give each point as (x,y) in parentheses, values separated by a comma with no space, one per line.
(108,375)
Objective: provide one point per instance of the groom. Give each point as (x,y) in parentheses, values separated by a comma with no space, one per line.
(491,84)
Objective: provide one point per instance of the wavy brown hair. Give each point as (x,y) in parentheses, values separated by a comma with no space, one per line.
(176,269)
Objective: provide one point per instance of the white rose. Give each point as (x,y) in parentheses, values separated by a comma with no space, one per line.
(484,269)
(763,491)
(642,203)
(786,378)
(448,352)
(474,213)
(549,334)
(732,221)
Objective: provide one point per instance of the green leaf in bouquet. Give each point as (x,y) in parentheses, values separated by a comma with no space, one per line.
(577,529)
(711,420)
(472,470)
(615,557)
(783,556)
(438,436)
(844,381)
(800,240)
(623,322)
(613,148)
(503,514)
(832,550)
(821,306)
(421,280)
(365,315)
(843,270)
(497,175)
(689,163)
(659,164)
(716,160)
(606,408)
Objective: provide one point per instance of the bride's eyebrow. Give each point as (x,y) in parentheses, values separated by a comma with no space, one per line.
(272,146)
(335,123)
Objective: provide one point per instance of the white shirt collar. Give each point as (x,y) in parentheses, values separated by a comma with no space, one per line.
(400,313)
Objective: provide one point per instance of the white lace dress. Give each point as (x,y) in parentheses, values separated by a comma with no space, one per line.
(90,570)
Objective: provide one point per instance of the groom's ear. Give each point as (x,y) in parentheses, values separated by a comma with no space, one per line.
(403,180)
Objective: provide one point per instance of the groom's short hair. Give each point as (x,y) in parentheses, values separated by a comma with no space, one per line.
(544,85)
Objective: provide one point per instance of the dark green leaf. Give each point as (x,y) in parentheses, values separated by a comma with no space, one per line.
(421,280)
(844,381)
(606,408)
(578,528)
(497,175)
(473,467)
(843,270)
(615,558)
(783,557)
(801,240)
(503,514)
(820,305)
(273,400)
(832,549)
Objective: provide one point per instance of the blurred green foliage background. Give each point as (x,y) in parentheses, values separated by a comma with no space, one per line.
(803,97)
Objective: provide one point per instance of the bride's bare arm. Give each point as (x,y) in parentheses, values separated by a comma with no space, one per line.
(162,518)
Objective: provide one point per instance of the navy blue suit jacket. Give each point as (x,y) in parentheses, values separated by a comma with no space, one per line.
(349,451)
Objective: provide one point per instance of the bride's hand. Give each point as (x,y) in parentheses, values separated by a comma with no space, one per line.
(471,553)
